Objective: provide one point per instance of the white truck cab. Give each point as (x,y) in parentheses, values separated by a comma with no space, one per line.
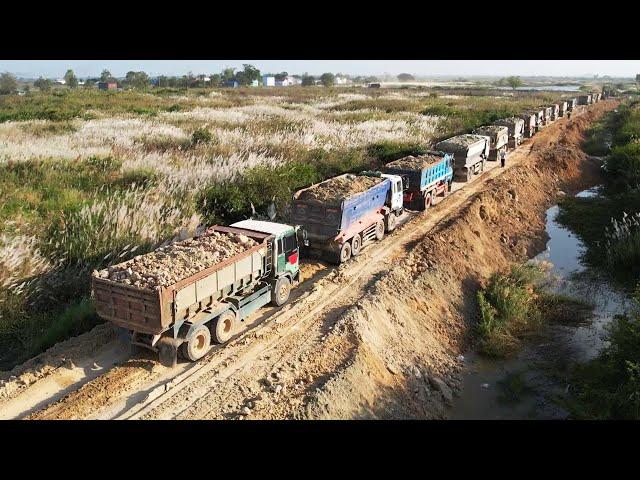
(397,191)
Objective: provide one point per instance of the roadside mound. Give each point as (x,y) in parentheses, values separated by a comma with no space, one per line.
(412,326)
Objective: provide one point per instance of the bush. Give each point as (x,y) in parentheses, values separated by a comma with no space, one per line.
(201,135)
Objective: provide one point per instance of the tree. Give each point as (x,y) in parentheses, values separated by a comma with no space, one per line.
(327,79)
(227,74)
(106,76)
(248,75)
(136,79)
(406,77)
(308,80)
(514,82)
(638,78)
(43,84)
(71,79)
(8,83)
(215,79)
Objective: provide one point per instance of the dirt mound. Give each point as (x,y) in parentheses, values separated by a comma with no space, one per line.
(172,263)
(413,324)
(336,189)
(413,163)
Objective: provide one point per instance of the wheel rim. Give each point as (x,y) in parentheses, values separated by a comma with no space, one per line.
(355,247)
(282,291)
(345,252)
(199,343)
(226,325)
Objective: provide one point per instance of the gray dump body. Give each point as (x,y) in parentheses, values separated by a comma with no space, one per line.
(469,152)
(555,111)
(571,104)
(562,109)
(530,123)
(584,99)
(499,135)
(515,127)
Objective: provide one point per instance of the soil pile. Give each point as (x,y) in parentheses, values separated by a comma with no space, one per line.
(172,263)
(336,189)
(413,163)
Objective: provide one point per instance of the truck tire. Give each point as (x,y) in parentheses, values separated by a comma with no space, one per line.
(356,244)
(345,253)
(281,291)
(380,230)
(167,352)
(449,186)
(391,220)
(428,200)
(198,344)
(224,327)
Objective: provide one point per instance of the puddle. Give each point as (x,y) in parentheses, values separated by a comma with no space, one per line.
(528,385)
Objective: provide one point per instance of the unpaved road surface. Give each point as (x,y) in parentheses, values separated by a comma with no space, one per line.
(378,337)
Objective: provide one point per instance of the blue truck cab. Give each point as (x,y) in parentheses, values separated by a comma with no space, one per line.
(424,177)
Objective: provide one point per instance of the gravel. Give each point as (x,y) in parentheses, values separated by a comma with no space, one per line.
(336,189)
(172,263)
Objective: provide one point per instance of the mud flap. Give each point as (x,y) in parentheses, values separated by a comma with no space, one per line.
(168,352)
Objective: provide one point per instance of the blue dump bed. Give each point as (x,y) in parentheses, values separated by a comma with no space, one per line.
(422,172)
(325,215)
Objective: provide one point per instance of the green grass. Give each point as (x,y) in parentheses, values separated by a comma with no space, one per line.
(608,387)
(515,304)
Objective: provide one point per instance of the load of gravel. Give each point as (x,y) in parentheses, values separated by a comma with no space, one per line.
(172,263)
(336,189)
(413,163)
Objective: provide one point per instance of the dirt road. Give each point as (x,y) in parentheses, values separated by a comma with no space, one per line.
(378,337)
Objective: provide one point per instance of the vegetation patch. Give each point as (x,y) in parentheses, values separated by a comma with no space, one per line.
(516,304)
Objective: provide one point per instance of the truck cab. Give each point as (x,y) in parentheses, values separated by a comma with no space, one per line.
(286,251)
(397,191)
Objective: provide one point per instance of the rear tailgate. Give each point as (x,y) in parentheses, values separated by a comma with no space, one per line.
(130,307)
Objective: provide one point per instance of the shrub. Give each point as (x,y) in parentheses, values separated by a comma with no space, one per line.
(201,135)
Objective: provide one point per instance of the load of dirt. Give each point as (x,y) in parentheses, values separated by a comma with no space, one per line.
(172,263)
(460,141)
(492,130)
(413,163)
(336,189)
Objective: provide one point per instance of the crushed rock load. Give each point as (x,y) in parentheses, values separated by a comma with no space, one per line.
(172,263)
(336,189)
(461,141)
(414,163)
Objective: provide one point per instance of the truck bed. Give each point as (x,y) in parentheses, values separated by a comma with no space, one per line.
(154,311)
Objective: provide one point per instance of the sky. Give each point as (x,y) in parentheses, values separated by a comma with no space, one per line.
(498,68)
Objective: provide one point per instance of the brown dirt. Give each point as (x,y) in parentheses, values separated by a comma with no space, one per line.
(177,261)
(378,337)
(413,163)
(336,189)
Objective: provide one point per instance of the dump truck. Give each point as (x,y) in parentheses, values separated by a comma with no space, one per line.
(584,99)
(540,122)
(555,111)
(546,117)
(562,109)
(341,214)
(424,177)
(470,153)
(572,103)
(515,127)
(530,124)
(178,298)
(499,136)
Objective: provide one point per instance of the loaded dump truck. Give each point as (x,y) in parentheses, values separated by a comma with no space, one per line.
(547,115)
(424,177)
(516,127)
(584,99)
(470,153)
(555,112)
(540,122)
(499,136)
(180,297)
(341,214)
(572,103)
(562,109)
(530,124)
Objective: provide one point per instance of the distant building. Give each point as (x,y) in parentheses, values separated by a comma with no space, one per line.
(374,85)
(61,81)
(107,86)
(341,80)
(268,81)
(255,83)
(233,83)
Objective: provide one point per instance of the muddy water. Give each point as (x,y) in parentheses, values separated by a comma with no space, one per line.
(532,384)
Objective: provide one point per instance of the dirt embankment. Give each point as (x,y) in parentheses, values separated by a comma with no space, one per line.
(409,329)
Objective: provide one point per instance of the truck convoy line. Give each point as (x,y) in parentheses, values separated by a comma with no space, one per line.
(333,219)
